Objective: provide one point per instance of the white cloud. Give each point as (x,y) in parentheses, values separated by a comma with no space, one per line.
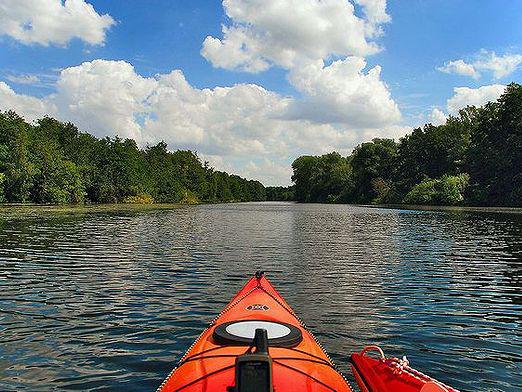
(244,128)
(460,67)
(268,171)
(499,66)
(466,96)
(104,96)
(48,22)
(375,12)
(289,32)
(301,36)
(437,117)
(343,93)
(23,79)
(29,107)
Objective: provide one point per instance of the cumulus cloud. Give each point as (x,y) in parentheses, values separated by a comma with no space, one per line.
(242,128)
(289,32)
(53,22)
(460,67)
(466,96)
(104,96)
(29,107)
(499,66)
(437,117)
(343,92)
(375,12)
(302,36)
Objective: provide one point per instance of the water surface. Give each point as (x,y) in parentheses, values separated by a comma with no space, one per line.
(110,300)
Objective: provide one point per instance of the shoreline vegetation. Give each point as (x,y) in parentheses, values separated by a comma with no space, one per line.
(473,159)
(17,209)
(50,162)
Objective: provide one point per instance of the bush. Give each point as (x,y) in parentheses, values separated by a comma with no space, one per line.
(141,198)
(447,190)
(188,197)
(423,193)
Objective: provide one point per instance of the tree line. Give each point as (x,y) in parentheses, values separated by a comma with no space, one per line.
(474,158)
(52,162)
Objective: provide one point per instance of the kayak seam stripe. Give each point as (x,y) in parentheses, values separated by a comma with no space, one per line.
(203,377)
(305,374)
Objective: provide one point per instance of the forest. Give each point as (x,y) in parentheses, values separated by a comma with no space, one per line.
(51,162)
(475,158)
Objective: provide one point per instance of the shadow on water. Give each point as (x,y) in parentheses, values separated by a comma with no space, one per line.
(111,300)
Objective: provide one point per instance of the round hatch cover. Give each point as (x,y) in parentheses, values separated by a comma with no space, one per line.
(242,333)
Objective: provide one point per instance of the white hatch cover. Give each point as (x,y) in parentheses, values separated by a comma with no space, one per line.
(242,333)
(247,329)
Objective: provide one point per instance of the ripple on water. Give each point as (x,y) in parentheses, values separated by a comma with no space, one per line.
(111,300)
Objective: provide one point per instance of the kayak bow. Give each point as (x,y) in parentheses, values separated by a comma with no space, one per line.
(257,343)
(222,358)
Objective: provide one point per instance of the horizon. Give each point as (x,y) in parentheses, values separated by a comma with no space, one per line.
(251,91)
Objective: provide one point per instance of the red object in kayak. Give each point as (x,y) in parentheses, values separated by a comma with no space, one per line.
(391,375)
(297,361)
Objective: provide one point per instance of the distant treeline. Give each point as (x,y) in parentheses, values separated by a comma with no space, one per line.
(52,162)
(475,158)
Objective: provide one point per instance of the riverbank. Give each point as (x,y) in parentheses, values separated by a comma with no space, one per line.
(37,209)
(506,210)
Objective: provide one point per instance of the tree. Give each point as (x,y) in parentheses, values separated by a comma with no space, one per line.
(303,169)
(447,190)
(374,164)
(53,162)
(495,155)
(14,160)
(331,180)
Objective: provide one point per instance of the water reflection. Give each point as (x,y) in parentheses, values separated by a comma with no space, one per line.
(111,300)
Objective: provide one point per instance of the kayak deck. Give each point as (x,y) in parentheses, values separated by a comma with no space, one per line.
(299,363)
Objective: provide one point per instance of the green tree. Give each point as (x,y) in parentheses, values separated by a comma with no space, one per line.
(447,190)
(280,193)
(374,164)
(303,170)
(331,180)
(14,157)
(495,154)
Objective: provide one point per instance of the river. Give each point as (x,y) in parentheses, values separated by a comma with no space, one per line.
(109,300)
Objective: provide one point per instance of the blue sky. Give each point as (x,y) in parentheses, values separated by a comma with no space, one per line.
(304,78)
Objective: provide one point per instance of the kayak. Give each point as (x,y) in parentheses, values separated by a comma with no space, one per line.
(286,356)
(258,343)
(391,374)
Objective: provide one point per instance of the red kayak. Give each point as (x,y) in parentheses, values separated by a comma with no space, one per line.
(257,343)
(391,374)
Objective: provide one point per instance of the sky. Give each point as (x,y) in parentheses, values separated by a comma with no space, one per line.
(253,84)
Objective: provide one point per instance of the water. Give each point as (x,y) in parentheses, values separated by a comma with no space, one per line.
(111,300)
